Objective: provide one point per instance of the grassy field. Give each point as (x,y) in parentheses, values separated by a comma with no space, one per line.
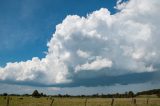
(45,101)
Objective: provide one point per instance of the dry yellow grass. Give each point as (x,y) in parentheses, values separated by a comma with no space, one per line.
(30,101)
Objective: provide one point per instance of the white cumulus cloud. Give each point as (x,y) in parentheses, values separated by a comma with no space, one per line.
(125,42)
(82,54)
(95,65)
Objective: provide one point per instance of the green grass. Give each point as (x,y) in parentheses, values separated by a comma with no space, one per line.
(45,101)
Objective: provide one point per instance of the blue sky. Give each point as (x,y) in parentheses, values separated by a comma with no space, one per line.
(84,45)
(27,25)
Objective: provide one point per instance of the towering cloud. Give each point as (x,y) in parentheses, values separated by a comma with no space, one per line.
(99,44)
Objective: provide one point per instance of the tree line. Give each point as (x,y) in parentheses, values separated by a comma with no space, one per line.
(129,94)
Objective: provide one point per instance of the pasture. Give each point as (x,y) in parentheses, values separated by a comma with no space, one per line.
(72,101)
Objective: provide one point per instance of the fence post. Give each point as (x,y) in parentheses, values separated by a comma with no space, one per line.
(112,102)
(52,102)
(134,101)
(86,102)
(7,104)
(147,101)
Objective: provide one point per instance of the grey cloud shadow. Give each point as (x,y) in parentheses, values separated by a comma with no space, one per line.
(126,79)
(102,80)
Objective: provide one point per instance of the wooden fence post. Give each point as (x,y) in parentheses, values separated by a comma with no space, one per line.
(147,101)
(134,101)
(86,102)
(52,102)
(7,104)
(112,102)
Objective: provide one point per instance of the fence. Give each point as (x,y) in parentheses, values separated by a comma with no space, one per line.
(11,101)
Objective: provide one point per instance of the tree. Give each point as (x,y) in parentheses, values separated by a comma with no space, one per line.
(35,93)
(5,94)
(41,94)
(130,94)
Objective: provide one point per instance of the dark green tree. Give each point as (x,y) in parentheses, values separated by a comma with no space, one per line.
(130,94)
(35,93)
(5,94)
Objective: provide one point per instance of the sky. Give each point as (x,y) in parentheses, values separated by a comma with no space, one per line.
(34,21)
(79,47)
